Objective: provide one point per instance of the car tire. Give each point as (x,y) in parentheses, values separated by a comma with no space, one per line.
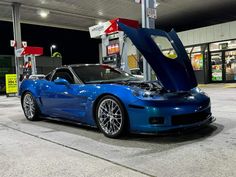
(111,116)
(30,107)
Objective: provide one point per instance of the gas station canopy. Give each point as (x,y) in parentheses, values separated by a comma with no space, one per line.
(81,14)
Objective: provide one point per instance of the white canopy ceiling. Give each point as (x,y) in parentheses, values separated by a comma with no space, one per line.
(81,14)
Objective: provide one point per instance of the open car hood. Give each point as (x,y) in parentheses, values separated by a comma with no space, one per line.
(174,74)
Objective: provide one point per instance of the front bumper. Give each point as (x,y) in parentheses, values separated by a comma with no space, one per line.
(174,118)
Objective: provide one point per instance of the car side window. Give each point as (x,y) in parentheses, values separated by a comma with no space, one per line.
(64,74)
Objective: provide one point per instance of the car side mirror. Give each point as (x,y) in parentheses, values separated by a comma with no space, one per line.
(61,82)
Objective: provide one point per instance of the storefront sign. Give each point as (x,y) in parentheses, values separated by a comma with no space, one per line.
(224,45)
(11,83)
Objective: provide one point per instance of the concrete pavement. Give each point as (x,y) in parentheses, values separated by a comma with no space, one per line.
(50,148)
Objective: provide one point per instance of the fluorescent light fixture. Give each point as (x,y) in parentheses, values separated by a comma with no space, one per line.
(43,13)
(156,4)
(43,1)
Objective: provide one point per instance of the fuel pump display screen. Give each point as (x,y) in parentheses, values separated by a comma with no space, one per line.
(113,47)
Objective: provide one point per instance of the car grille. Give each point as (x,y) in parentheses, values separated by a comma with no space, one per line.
(186,119)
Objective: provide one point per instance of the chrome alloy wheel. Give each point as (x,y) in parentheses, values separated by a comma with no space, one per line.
(110,117)
(29,106)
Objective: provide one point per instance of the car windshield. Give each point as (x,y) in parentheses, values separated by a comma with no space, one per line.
(101,74)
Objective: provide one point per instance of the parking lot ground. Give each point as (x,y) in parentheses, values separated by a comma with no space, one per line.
(51,148)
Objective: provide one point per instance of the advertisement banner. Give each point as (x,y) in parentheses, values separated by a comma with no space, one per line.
(11,83)
(197,61)
(98,30)
(110,27)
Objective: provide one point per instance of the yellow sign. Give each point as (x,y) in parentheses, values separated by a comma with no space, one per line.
(11,83)
(57,55)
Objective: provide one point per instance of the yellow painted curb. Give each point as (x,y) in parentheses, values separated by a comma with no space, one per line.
(202,85)
(230,86)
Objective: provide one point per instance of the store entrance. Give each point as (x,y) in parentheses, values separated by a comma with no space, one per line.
(223,66)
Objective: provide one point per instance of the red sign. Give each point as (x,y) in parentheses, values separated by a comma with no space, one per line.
(37,51)
(114,26)
(33,51)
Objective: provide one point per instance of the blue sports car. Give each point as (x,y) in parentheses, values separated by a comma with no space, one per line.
(115,101)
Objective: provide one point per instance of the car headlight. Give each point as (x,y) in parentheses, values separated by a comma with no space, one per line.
(148,95)
(142,93)
(198,90)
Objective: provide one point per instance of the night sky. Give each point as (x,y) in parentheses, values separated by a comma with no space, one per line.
(75,46)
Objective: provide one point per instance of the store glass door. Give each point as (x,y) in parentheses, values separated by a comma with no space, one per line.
(230,65)
(217,65)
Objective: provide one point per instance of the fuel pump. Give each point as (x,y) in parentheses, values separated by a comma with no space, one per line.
(29,63)
(113,46)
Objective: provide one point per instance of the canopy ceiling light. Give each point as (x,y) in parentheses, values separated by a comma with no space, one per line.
(156,4)
(100,13)
(100,22)
(43,13)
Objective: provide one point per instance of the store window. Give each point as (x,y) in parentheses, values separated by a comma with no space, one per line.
(196,55)
(216,66)
(230,62)
(165,46)
(188,49)
(223,61)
